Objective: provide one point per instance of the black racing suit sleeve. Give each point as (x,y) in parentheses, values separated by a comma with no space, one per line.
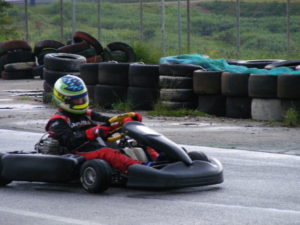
(60,130)
(99,117)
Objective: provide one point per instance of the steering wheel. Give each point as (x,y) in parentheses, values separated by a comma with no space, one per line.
(117,122)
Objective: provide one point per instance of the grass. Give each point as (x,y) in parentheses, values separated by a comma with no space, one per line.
(123,106)
(291,118)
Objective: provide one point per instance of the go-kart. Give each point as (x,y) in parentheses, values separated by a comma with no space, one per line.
(175,167)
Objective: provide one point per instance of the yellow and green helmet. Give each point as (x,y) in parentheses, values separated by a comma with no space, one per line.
(70,94)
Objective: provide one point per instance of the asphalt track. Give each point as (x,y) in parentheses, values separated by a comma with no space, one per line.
(260,188)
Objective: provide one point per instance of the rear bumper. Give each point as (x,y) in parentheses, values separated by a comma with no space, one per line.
(176,175)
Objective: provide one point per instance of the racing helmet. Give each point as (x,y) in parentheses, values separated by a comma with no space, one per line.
(70,94)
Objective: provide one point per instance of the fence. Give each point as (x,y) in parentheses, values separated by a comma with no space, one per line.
(228,28)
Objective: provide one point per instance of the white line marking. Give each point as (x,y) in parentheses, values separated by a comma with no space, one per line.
(47,216)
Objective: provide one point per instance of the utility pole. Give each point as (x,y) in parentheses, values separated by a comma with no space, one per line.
(188,26)
(179,27)
(238,15)
(26,20)
(163,24)
(141,20)
(99,19)
(288,26)
(73,17)
(61,20)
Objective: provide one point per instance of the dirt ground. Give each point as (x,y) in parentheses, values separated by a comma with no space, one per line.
(21,108)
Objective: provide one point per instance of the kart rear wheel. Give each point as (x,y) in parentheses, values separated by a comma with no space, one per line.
(198,156)
(95,176)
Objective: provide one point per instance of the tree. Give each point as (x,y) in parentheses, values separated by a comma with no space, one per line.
(7,30)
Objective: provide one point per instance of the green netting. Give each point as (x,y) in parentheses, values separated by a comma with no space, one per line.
(222,65)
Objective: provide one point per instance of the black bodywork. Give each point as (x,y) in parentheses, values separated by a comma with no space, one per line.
(176,170)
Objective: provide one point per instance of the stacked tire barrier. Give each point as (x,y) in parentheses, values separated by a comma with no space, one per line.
(143,90)
(16,60)
(57,65)
(112,84)
(176,85)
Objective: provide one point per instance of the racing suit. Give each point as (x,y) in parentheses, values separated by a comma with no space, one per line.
(74,132)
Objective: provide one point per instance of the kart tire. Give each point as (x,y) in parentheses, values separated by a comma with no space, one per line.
(177,95)
(142,98)
(233,84)
(52,76)
(262,86)
(182,70)
(95,175)
(3,181)
(113,73)
(63,61)
(46,44)
(175,82)
(207,82)
(141,75)
(238,107)
(89,73)
(288,86)
(106,95)
(197,155)
(212,104)
(118,49)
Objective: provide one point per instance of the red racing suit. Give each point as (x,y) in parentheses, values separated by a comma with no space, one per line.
(71,130)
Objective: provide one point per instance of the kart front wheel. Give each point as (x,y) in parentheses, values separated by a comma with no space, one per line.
(95,175)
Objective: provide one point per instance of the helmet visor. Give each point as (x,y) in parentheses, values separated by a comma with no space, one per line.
(79,101)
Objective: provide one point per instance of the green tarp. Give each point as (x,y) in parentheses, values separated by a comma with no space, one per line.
(222,65)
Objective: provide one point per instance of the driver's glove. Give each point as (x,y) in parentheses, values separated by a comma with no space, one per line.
(98,131)
(137,117)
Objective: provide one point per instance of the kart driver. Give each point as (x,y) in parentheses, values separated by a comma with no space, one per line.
(74,127)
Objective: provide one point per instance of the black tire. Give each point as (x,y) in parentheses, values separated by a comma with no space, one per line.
(212,104)
(89,73)
(207,82)
(106,95)
(3,181)
(141,75)
(113,74)
(175,82)
(14,45)
(179,105)
(74,48)
(142,98)
(262,86)
(198,156)
(182,70)
(20,56)
(266,109)
(91,91)
(38,71)
(19,66)
(52,76)
(63,62)
(177,95)
(256,63)
(46,44)
(120,48)
(288,86)
(43,53)
(47,97)
(17,74)
(287,63)
(82,36)
(238,107)
(95,175)
(233,84)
